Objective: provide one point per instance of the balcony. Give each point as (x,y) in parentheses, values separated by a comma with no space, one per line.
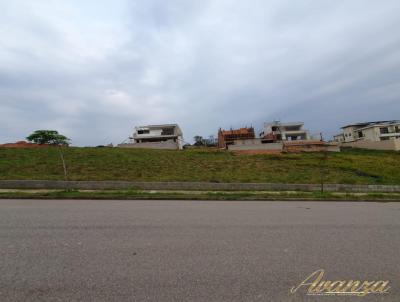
(390,134)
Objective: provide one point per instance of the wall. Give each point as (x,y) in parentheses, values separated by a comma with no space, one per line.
(168,145)
(371,134)
(296,146)
(180,142)
(333,148)
(195,186)
(348,133)
(338,138)
(254,144)
(381,145)
(311,147)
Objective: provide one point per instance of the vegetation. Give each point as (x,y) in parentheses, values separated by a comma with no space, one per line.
(50,137)
(184,195)
(211,141)
(209,165)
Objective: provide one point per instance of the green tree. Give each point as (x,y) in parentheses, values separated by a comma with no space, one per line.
(198,140)
(49,137)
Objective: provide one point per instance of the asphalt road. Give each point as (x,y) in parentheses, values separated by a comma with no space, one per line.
(53,250)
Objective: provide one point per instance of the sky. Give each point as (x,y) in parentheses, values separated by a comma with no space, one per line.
(94,69)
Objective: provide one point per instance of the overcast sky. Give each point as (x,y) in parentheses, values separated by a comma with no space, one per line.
(94,69)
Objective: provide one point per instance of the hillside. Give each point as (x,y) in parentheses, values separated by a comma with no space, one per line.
(348,167)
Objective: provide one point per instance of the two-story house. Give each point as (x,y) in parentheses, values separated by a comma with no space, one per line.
(167,136)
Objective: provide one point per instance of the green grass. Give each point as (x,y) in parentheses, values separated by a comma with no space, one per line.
(185,195)
(347,167)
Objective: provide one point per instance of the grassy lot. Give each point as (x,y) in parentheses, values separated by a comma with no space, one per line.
(347,167)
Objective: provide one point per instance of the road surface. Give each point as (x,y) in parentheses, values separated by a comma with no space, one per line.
(58,250)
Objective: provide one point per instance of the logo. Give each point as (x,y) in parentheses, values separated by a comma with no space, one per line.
(315,285)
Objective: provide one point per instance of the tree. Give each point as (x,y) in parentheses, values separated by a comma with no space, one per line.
(51,137)
(198,140)
(48,137)
(211,141)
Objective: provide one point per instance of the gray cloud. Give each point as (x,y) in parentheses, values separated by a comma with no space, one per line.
(93,70)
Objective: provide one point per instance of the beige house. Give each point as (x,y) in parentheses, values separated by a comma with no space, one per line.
(339,138)
(383,135)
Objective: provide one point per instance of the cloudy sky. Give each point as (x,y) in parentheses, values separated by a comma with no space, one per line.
(94,69)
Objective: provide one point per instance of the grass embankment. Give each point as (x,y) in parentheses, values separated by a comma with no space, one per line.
(347,167)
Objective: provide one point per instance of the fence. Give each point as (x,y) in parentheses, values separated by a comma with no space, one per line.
(194,186)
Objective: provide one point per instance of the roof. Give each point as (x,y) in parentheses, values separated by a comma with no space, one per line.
(238,131)
(371,123)
(179,131)
(380,124)
(159,126)
(285,124)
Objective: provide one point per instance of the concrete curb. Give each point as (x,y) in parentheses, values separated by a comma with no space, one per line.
(195,186)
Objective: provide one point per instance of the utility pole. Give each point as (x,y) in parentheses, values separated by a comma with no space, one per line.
(322,166)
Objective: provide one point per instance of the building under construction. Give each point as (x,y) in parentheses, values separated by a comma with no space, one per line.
(228,137)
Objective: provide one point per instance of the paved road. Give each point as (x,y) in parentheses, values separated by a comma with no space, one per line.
(192,250)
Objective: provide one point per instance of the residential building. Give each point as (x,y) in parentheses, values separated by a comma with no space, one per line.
(381,135)
(371,131)
(281,137)
(167,136)
(277,131)
(228,137)
(350,131)
(339,138)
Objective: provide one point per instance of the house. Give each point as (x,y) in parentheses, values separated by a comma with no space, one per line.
(372,131)
(228,137)
(167,136)
(384,135)
(277,131)
(339,138)
(350,132)
(279,137)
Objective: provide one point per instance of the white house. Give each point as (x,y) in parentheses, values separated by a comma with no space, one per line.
(167,136)
(277,131)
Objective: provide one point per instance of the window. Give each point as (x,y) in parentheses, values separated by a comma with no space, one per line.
(167,131)
(292,128)
(143,131)
(396,129)
(384,130)
(360,134)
